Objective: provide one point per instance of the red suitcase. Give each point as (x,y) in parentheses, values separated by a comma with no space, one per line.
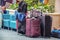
(17,24)
(32,27)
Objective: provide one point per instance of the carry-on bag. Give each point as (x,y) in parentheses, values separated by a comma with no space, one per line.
(6,20)
(32,27)
(46,23)
(13,21)
(0,19)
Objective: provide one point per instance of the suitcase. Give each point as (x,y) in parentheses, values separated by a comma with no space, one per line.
(6,20)
(32,27)
(17,25)
(0,20)
(46,23)
(13,21)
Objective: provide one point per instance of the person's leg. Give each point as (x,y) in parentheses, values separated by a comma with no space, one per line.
(19,27)
(23,28)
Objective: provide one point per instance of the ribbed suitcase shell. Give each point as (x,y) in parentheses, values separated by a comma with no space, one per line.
(32,27)
(17,25)
(13,21)
(46,23)
(6,20)
(0,20)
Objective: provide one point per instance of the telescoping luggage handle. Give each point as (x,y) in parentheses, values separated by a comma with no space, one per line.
(30,27)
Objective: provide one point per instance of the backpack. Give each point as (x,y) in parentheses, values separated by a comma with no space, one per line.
(22,7)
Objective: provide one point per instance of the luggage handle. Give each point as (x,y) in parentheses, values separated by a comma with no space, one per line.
(30,27)
(41,13)
(33,18)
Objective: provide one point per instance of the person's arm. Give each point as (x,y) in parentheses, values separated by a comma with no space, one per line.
(16,14)
(23,17)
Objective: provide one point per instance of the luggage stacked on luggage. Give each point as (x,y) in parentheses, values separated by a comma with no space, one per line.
(46,23)
(33,25)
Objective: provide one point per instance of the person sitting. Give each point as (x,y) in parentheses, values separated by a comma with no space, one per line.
(4,10)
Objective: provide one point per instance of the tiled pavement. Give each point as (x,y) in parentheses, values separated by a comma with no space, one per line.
(12,35)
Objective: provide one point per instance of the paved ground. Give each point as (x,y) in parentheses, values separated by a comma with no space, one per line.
(12,35)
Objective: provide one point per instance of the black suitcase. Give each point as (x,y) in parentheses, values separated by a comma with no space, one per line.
(46,23)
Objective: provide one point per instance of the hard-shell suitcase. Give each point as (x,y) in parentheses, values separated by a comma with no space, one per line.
(46,23)
(0,20)
(17,25)
(6,20)
(32,27)
(13,21)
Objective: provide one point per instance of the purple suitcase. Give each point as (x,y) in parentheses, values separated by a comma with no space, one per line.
(46,24)
(32,27)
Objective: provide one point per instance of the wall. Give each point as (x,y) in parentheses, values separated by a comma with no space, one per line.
(57,6)
(55,20)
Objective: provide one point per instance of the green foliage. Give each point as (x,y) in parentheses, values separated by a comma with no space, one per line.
(37,5)
(13,6)
(31,4)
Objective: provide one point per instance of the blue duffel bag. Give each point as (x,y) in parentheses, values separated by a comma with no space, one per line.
(56,33)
